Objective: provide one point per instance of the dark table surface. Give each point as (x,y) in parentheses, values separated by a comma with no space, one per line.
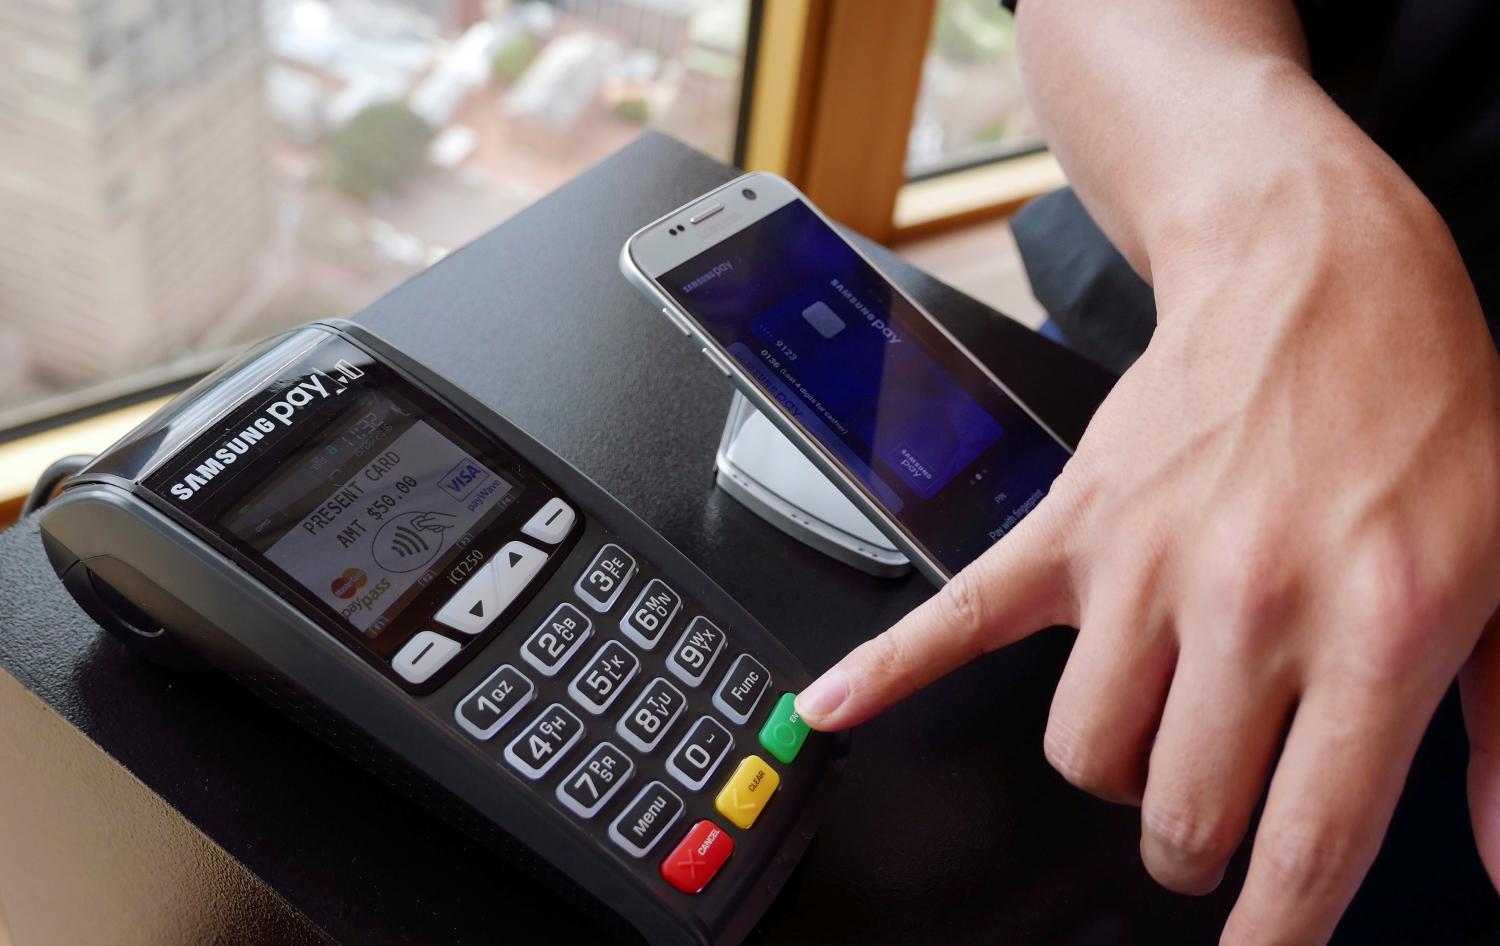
(948,826)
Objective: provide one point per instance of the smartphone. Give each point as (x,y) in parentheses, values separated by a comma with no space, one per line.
(882,398)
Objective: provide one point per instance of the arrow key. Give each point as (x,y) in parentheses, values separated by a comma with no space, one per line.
(492,588)
(474,605)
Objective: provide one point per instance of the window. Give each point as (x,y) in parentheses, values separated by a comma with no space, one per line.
(236,168)
(970,108)
(898,117)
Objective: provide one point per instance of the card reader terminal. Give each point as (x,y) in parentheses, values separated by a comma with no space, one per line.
(351,536)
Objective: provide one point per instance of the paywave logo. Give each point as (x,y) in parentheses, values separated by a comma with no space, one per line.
(315,387)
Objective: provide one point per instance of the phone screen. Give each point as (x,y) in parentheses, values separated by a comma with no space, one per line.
(945,451)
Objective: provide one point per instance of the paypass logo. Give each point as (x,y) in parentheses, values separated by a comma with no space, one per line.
(348,584)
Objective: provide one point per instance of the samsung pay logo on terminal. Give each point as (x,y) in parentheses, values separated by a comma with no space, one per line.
(317,386)
(345,488)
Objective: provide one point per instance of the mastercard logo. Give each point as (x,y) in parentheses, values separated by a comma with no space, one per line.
(347,584)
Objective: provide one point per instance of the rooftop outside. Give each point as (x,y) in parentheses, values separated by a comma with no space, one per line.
(183,176)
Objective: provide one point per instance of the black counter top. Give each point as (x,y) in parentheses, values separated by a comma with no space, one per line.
(182,795)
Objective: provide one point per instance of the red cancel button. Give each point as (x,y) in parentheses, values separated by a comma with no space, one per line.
(694,861)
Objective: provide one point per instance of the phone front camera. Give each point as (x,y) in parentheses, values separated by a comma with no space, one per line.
(748,194)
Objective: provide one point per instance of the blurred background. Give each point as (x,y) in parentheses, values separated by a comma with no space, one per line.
(178,177)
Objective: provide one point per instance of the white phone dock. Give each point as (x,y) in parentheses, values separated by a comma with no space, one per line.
(765,472)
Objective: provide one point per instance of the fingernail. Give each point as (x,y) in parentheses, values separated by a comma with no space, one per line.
(824,696)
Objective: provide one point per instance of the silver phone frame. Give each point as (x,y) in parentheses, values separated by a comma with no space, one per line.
(846,482)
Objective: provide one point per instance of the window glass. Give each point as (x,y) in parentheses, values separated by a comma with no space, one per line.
(971,107)
(181,176)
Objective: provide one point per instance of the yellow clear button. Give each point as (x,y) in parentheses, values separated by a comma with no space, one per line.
(747,791)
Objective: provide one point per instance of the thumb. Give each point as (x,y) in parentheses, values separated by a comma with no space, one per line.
(1018,586)
(1479,685)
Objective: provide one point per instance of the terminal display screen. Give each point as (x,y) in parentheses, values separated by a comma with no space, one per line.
(366,513)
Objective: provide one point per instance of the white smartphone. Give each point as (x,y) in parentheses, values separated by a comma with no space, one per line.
(882,398)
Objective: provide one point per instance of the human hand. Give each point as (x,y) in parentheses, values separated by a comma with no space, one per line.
(1279,541)
(434,521)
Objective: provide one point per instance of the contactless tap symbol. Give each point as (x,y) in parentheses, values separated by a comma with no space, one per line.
(411,540)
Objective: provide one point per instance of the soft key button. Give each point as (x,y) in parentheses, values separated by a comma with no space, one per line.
(744,796)
(697,858)
(515,565)
(741,688)
(551,523)
(606,576)
(424,655)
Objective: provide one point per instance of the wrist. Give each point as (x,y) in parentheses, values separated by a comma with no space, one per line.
(1296,177)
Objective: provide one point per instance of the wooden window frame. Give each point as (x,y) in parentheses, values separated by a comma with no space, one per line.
(24,459)
(830,106)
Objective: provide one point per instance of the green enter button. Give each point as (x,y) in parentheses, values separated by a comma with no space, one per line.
(784,732)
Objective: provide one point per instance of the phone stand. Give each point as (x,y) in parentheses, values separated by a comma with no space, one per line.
(765,472)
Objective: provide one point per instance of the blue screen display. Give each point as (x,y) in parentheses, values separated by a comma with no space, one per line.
(943,449)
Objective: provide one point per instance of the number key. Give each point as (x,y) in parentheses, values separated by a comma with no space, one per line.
(700,752)
(599,683)
(494,702)
(590,786)
(536,750)
(550,645)
(647,619)
(696,651)
(651,715)
(606,577)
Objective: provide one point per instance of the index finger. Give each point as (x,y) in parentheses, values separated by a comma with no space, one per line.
(1016,587)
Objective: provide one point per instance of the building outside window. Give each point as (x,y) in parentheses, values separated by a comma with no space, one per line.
(178,177)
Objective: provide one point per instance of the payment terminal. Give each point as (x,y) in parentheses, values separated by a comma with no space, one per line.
(429,589)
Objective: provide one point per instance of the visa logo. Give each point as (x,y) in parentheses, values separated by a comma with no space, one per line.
(461,480)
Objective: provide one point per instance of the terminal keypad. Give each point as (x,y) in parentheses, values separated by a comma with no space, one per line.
(627,657)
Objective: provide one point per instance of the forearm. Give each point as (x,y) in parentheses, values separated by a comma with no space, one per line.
(1177,118)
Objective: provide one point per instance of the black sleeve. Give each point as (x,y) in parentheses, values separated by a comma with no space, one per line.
(1009,4)
(1104,310)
